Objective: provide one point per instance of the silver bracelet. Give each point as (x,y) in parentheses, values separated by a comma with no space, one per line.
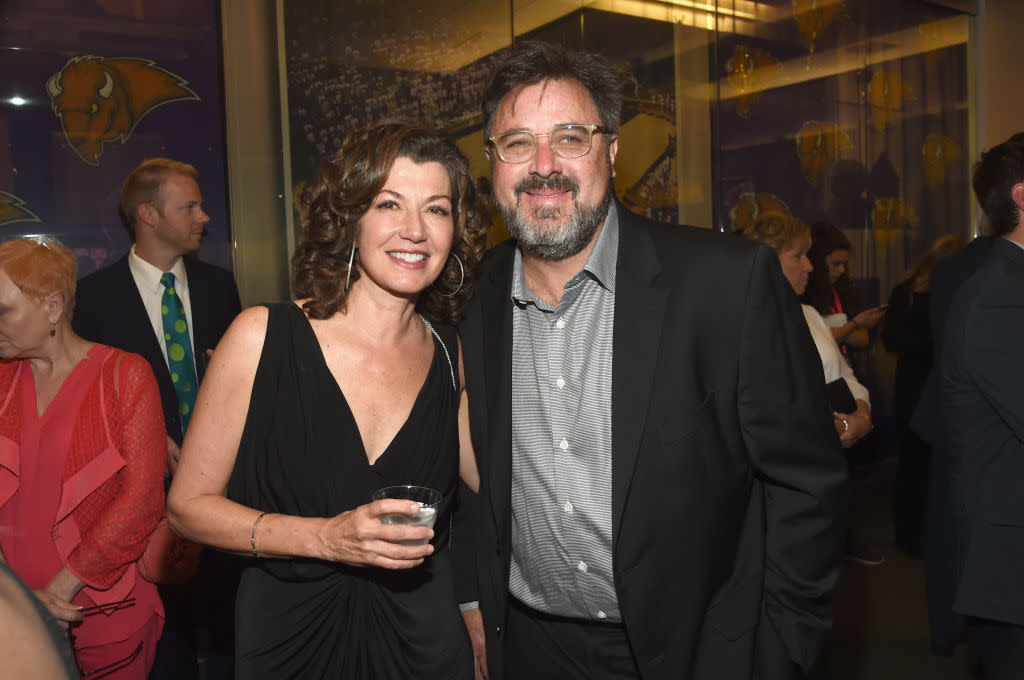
(252,536)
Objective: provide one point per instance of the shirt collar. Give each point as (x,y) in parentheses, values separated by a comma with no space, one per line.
(600,265)
(149,276)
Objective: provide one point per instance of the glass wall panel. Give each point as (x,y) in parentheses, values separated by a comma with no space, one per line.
(855,113)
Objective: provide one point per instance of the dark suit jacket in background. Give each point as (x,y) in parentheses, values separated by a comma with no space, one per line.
(109,310)
(982,382)
(927,423)
(728,483)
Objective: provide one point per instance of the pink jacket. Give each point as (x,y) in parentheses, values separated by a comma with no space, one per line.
(113,495)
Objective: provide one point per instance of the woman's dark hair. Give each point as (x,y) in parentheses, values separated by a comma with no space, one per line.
(826,239)
(348,183)
(539,62)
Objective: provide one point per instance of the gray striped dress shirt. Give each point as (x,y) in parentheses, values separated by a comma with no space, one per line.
(562,440)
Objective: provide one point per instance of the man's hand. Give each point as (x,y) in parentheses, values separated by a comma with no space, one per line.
(475,625)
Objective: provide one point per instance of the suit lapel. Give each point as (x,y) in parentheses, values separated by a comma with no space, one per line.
(639,315)
(200,316)
(136,326)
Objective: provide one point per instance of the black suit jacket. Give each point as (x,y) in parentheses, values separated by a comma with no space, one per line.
(982,382)
(109,310)
(947,278)
(728,481)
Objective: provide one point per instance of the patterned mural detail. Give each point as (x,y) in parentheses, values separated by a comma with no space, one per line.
(100,100)
(749,69)
(818,144)
(886,93)
(814,16)
(940,152)
(890,218)
(750,205)
(12,209)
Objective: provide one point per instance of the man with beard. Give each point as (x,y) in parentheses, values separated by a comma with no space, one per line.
(662,489)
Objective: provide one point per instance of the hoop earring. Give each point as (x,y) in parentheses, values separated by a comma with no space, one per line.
(462,278)
(53,329)
(351,258)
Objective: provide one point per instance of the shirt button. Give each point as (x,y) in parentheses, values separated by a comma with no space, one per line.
(563,445)
(602,615)
(567,507)
(560,382)
(560,323)
(582,566)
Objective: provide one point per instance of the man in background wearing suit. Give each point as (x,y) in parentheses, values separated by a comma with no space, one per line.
(172,309)
(946,628)
(982,403)
(662,489)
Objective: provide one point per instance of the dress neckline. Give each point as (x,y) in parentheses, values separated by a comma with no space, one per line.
(348,408)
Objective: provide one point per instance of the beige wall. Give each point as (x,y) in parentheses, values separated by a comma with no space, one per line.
(1000,98)
(256,154)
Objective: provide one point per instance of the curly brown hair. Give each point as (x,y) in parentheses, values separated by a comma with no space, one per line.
(348,183)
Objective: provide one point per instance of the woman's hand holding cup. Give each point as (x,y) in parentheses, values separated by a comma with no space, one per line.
(361,538)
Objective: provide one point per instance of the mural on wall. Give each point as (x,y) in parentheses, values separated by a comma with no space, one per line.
(813,17)
(749,206)
(91,91)
(818,145)
(940,154)
(98,99)
(749,69)
(339,79)
(13,209)
(887,91)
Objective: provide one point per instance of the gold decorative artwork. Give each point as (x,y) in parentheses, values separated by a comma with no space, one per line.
(890,218)
(99,100)
(750,205)
(817,145)
(12,209)
(886,94)
(940,152)
(749,69)
(814,16)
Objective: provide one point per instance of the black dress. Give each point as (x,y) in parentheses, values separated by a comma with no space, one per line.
(301,454)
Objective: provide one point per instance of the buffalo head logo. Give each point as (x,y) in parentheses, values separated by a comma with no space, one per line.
(102,100)
(12,209)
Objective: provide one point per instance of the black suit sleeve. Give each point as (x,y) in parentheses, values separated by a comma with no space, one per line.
(789,433)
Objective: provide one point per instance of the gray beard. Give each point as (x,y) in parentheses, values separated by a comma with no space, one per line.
(567,239)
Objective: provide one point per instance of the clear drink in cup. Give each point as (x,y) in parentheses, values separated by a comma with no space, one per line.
(428,500)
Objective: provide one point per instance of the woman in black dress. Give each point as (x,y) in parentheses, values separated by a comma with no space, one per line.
(309,406)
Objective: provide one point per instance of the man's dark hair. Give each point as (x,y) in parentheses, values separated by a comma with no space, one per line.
(539,62)
(999,169)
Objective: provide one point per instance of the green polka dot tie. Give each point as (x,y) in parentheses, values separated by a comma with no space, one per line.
(179,350)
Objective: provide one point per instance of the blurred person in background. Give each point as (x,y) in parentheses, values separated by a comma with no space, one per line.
(907,332)
(830,289)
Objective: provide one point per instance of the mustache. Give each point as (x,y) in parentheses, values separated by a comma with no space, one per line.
(553,183)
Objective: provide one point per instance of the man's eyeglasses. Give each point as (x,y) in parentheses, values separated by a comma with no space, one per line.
(567,141)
